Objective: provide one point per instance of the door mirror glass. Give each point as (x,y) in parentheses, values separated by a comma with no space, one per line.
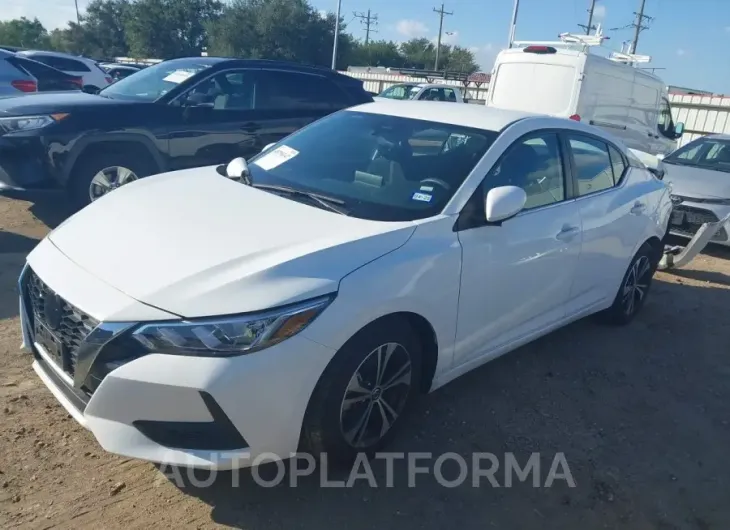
(504,202)
(237,169)
(679,129)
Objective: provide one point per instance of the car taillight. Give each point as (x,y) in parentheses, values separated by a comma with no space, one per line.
(25,85)
(78,82)
(575,117)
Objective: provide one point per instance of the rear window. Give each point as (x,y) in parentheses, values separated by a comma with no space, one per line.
(38,70)
(534,87)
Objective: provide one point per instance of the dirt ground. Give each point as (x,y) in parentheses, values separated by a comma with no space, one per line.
(641,414)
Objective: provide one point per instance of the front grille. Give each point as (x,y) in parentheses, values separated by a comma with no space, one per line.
(692,220)
(74,327)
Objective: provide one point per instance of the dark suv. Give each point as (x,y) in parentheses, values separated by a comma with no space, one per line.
(177,114)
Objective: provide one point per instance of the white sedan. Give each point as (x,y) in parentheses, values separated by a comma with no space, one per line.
(302,305)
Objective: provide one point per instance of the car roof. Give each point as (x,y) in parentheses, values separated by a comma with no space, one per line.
(466,115)
(719,136)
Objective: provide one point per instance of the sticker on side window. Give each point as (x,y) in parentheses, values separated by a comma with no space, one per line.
(276,157)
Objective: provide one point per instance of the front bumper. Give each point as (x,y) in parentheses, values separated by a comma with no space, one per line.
(24,169)
(215,413)
(689,216)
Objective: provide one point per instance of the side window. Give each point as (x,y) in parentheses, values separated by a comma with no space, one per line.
(535,165)
(450,95)
(618,164)
(593,167)
(296,91)
(665,124)
(234,90)
(61,63)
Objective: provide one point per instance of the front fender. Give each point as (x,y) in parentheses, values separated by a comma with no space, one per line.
(92,139)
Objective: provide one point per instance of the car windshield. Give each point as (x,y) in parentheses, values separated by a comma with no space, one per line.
(154,82)
(707,153)
(403,91)
(376,166)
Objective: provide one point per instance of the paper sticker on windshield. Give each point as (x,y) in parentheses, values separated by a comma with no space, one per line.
(178,76)
(276,157)
(423,197)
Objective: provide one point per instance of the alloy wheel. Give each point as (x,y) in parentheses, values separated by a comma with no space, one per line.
(109,179)
(376,395)
(636,285)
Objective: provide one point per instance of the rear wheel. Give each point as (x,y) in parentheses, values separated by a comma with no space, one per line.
(634,288)
(364,392)
(100,174)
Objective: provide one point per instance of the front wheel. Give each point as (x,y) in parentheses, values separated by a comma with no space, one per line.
(634,288)
(364,392)
(101,174)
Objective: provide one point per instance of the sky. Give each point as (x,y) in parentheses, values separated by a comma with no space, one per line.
(688,39)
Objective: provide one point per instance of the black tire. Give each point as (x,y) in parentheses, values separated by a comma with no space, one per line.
(623,311)
(89,166)
(327,418)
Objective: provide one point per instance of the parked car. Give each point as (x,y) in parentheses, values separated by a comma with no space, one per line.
(567,80)
(119,71)
(423,91)
(94,77)
(699,176)
(174,115)
(304,299)
(19,76)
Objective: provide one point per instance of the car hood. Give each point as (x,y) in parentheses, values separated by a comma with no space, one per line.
(197,244)
(696,182)
(51,102)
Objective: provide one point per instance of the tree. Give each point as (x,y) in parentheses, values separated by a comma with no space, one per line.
(289,30)
(377,53)
(169,28)
(104,27)
(24,33)
(459,59)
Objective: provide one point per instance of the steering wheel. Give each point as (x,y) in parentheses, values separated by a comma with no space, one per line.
(437,182)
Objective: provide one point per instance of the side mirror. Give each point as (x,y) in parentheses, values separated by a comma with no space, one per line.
(658,171)
(678,129)
(90,90)
(504,202)
(237,169)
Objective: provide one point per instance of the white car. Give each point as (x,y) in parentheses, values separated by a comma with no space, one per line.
(423,92)
(94,77)
(305,302)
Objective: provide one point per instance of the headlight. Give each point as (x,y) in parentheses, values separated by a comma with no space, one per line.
(226,336)
(28,123)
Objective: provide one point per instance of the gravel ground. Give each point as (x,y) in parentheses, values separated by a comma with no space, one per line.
(640,414)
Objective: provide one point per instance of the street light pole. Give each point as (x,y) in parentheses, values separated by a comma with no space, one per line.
(78,17)
(337,34)
(513,26)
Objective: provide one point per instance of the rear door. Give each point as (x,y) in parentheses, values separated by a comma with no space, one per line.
(612,214)
(536,82)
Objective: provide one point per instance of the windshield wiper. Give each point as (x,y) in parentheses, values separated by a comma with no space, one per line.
(329,203)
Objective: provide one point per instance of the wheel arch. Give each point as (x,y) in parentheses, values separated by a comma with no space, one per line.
(92,146)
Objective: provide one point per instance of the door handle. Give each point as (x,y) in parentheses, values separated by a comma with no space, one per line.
(638,208)
(568,232)
(250,127)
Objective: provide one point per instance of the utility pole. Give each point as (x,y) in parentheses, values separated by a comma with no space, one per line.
(590,25)
(337,34)
(368,20)
(639,25)
(441,13)
(78,17)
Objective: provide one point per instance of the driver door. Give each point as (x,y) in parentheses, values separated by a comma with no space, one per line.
(517,276)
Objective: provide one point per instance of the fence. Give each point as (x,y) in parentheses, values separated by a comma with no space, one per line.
(377,82)
(701,115)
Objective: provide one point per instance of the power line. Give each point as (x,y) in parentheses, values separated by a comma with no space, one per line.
(368,20)
(441,13)
(588,27)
